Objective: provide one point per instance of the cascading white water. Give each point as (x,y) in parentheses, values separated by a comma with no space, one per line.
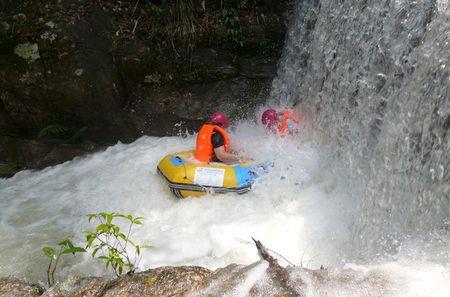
(302,209)
(285,209)
(378,73)
(369,186)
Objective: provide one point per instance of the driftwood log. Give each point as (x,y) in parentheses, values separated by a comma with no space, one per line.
(278,273)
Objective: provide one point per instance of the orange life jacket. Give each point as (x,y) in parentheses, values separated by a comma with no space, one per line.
(204,149)
(283,127)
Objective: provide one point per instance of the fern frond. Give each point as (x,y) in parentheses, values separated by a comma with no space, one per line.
(52,131)
(77,135)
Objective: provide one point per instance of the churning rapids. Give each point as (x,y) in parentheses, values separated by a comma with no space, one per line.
(302,209)
(367,189)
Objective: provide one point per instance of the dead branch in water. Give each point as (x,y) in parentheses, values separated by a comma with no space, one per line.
(267,249)
(278,272)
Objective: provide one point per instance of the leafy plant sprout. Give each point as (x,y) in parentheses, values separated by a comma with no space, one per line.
(112,245)
(65,247)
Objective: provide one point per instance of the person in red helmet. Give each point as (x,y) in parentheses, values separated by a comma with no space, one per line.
(213,142)
(283,122)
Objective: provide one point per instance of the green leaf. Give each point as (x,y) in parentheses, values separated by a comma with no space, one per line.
(102,228)
(120,270)
(77,135)
(150,280)
(95,251)
(73,250)
(91,216)
(127,217)
(130,242)
(49,252)
(89,240)
(66,242)
(52,131)
(138,220)
(148,247)
(138,250)
(109,218)
(116,230)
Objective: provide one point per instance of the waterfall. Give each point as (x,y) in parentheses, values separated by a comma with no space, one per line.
(378,74)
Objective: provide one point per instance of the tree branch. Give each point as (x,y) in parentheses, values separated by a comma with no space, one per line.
(278,273)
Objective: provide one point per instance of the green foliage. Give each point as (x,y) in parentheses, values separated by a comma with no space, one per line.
(174,25)
(181,18)
(65,247)
(261,18)
(269,47)
(168,77)
(4,28)
(203,72)
(109,244)
(60,131)
(157,33)
(77,136)
(177,27)
(230,13)
(155,79)
(53,130)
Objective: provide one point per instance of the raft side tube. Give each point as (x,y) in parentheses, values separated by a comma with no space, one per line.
(187,177)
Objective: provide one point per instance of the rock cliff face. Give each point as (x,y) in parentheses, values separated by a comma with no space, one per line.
(76,75)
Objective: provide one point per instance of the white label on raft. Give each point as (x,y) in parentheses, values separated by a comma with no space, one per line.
(212,177)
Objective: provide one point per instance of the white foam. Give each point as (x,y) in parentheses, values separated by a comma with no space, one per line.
(299,209)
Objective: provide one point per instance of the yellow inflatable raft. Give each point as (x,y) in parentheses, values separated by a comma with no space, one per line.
(186,176)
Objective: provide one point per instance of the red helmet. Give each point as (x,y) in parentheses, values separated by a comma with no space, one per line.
(269,117)
(219,118)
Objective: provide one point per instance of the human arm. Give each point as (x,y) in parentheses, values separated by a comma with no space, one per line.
(221,154)
(226,157)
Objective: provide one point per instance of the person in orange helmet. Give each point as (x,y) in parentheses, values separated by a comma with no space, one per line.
(213,142)
(282,122)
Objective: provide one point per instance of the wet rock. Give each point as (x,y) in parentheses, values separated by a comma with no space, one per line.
(257,279)
(161,281)
(83,70)
(77,286)
(250,280)
(343,282)
(13,287)
(18,154)
(27,51)
(258,68)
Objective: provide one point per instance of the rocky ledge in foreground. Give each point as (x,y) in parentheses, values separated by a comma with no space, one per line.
(256,279)
(263,278)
